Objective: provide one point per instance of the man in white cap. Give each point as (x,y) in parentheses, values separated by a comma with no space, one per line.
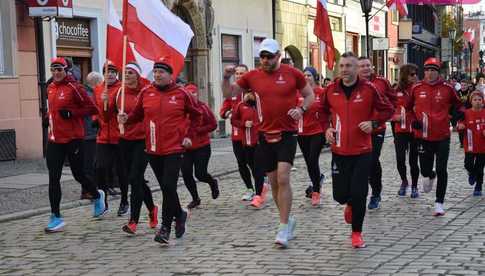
(275,86)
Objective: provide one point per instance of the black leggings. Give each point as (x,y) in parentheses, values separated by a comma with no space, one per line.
(56,154)
(375,176)
(406,142)
(197,159)
(135,163)
(349,182)
(108,155)
(474,164)
(166,169)
(242,163)
(311,146)
(427,152)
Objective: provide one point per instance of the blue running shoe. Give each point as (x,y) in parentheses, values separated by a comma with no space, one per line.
(56,224)
(99,207)
(402,189)
(414,192)
(477,193)
(374,202)
(471,179)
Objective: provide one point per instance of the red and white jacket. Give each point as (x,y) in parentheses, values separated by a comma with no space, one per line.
(364,104)
(108,132)
(387,93)
(70,95)
(134,131)
(164,114)
(474,140)
(405,110)
(432,104)
(242,113)
(228,108)
(311,123)
(206,124)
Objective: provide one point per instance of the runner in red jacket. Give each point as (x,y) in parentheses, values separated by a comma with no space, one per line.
(196,158)
(107,149)
(432,100)
(311,138)
(473,127)
(164,106)
(404,140)
(355,108)
(245,117)
(384,88)
(68,104)
(132,148)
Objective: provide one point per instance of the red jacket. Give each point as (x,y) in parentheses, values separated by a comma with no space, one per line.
(109,132)
(364,104)
(228,108)
(474,140)
(205,125)
(384,87)
(134,131)
(311,123)
(405,110)
(164,114)
(70,95)
(242,113)
(432,104)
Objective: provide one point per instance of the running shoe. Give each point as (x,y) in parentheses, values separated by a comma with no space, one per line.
(403,188)
(123,209)
(56,224)
(264,192)
(471,179)
(357,240)
(257,202)
(163,235)
(248,196)
(315,199)
(194,203)
(282,236)
(214,189)
(99,207)
(374,202)
(153,217)
(414,192)
(180,224)
(130,228)
(348,214)
(291,227)
(477,193)
(438,210)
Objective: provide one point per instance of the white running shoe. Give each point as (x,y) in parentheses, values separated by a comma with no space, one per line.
(427,183)
(282,236)
(438,210)
(291,227)
(248,196)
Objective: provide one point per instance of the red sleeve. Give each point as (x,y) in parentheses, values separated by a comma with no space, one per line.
(382,107)
(300,79)
(226,106)
(136,115)
(194,112)
(85,104)
(236,117)
(209,121)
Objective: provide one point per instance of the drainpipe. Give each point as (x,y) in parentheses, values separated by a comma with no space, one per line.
(273,12)
(39,41)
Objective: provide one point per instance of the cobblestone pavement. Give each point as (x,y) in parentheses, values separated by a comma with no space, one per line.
(226,237)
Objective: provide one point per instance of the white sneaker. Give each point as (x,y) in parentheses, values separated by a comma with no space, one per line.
(248,196)
(427,183)
(282,236)
(438,210)
(291,227)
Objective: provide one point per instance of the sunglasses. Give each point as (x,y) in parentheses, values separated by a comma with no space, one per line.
(412,74)
(57,69)
(267,56)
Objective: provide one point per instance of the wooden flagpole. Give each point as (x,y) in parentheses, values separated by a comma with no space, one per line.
(125,42)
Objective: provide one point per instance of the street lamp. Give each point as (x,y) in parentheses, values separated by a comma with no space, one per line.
(470,46)
(366,6)
(452,36)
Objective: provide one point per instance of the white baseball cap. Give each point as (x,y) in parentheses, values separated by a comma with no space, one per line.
(269,45)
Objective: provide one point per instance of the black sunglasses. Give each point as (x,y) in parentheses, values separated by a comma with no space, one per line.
(412,74)
(57,69)
(267,55)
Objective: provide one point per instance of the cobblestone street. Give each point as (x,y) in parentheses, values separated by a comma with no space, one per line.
(225,237)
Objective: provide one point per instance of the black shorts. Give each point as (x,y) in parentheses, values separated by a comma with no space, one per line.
(269,154)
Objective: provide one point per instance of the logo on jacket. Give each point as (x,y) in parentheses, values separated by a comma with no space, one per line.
(422,94)
(151,94)
(280,80)
(173,100)
(358,98)
(61,96)
(438,96)
(400,94)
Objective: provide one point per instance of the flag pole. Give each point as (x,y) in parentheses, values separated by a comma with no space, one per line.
(105,102)
(123,69)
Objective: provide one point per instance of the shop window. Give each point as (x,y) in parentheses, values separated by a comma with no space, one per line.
(352,43)
(256,44)
(7,36)
(335,23)
(230,49)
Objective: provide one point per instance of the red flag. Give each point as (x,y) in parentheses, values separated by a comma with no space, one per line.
(322,30)
(114,39)
(400,5)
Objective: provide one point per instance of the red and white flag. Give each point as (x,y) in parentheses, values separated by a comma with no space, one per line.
(469,35)
(153,32)
(400,5)
(322,30)
(114,38)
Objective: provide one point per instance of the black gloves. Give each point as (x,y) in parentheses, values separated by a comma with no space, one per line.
(65,114)
(417,125)
(95,124)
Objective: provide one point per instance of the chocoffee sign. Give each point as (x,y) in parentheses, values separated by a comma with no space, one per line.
(72,32)
(58,8)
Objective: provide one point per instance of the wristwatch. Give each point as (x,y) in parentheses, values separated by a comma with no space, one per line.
(303,109)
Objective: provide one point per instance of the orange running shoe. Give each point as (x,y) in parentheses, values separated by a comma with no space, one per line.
(315,199)
(130,228)
(153,217)
(348,214)
(257,202)
(264,192)
(357,240)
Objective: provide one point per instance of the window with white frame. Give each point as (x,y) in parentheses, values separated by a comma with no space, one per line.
(7,10)
(230,49)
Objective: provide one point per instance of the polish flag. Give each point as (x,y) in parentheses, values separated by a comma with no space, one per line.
(400,5)
(114,39)
(322,30)
(469,35)
(154,31)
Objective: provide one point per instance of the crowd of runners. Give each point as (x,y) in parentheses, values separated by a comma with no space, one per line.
(272,110)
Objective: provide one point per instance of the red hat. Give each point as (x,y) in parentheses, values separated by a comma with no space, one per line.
(432,63)
(192,89)
(58,62)
(164,63)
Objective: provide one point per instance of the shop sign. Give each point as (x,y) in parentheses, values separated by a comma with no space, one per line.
(72,32)
(56,8)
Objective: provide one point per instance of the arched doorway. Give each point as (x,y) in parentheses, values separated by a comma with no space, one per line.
(295,55)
